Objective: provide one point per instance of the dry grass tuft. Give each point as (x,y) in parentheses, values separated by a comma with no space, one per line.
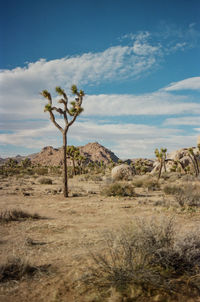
(17,215)
(45,181)
(119,189)
(16,269)
(145,181)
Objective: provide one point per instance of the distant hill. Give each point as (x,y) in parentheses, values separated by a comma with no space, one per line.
(94,152)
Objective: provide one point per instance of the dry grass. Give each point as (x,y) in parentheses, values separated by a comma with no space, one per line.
(119,189)
(145,261)
(17,268)
(76,224)
(146,181)
(17,215)
(45,181)
(186,195)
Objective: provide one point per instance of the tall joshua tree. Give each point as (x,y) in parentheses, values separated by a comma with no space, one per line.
(69,116)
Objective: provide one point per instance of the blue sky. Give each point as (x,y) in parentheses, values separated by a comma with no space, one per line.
(137,61)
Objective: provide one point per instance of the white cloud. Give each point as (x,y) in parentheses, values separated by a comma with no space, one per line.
(115,63)
(185,120)
(30,138)
(177,46)
(156,103)
(126,140)
(190,83)
(20,87)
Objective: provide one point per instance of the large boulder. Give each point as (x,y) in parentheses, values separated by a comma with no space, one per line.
(122,172)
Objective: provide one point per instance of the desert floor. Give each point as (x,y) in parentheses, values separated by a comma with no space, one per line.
(71,228)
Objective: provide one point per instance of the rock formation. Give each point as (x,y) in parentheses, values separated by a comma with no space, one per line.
(94,152)
(122,172)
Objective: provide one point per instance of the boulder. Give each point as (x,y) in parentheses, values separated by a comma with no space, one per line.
(122,172)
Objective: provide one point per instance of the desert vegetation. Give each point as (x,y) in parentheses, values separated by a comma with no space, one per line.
(132,236)
(146,260)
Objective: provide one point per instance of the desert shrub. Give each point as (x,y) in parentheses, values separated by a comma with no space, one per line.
(95,178)
(171,189)
(185,195)
(16,215)
(188,196)
(137,182)
(148,182)
(165,175)
(41,170)
(28,171)
(45,181)
(119,189)
(188,177)
(16,269)
(55,170)
(151,184)
(145,262)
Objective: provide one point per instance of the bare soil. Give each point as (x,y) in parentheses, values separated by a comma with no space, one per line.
(72,227)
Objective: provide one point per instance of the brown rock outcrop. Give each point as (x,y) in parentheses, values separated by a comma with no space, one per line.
(93,152)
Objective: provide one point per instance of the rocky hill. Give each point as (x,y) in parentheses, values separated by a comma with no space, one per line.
(94,152)
(97,153)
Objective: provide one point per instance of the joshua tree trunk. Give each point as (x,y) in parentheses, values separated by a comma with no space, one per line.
(74,168)
(160,170)
(65,176)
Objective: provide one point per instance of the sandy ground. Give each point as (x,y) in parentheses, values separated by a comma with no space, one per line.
(71,228)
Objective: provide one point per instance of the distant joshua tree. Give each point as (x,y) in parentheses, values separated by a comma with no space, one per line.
(161,156)
(73,153)
(69,116)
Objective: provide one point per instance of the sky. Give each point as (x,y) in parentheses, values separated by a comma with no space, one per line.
(138,63)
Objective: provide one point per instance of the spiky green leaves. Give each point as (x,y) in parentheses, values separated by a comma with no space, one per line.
(46,94)
(72,152)
(59,90)
(157,152)
(47,108)
(74,89)
(81,92)
(160,154)
(76,108)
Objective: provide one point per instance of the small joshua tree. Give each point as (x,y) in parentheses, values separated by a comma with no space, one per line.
(69,116)
(80,161)
(161,156)
(73,153)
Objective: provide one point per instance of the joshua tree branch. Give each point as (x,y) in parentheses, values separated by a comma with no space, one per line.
(52,117)
(59,110)
(73,120)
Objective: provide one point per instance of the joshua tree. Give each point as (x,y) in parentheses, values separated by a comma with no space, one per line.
(73,153)
(69,116)
(80,160)
(161,156)
(26,163)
